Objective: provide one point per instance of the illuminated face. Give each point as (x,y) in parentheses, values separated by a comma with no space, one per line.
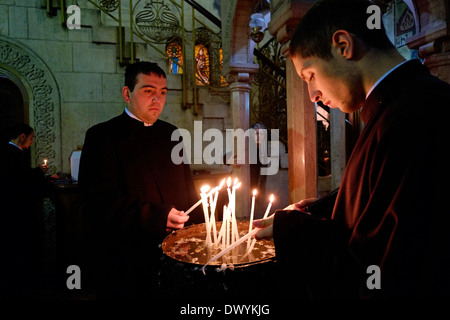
(148,98)
(335,82)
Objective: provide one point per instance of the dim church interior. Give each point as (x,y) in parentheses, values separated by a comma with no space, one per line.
(62,81)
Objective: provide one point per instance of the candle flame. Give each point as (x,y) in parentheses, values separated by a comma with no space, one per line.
(229,182)
(254,192)
(238,185)
(271,198)
(204,189)
(221,184)
(235,181)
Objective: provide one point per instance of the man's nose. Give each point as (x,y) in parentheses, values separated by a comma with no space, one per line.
(314,94)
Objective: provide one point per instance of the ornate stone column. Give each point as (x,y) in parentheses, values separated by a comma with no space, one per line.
(301,112)
(240,78)
(302,136)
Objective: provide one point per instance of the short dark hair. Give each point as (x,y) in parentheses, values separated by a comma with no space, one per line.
(145,67)
(313,35)
(19,129)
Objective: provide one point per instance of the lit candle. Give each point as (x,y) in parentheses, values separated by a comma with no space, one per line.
(213,210)
(227,230)
(269,206)
(235,233)
(232,246)
(265,216)
(228,189)
(224,227)
(45,162)
(199,201)
(212,221)
(252,211)
(204,197)
(220,238)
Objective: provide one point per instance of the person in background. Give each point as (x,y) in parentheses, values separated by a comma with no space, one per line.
(22,228)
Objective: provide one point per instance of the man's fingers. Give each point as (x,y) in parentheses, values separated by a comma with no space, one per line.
(267,228)
(177,218)
(301,205)
(266,233)
(263,223)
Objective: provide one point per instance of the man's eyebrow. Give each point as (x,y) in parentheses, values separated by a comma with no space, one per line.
(306,66)
(301,74)
(150,86)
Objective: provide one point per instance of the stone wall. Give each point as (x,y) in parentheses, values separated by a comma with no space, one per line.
(86,77)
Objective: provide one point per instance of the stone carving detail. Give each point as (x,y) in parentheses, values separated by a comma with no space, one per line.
(43,96)
(156,21)
(109,5)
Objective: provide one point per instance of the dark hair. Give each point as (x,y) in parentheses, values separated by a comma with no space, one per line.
(313,35)
(145,67)
(19,129)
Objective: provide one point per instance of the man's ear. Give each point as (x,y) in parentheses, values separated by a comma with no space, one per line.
(343,44)
(126,94)
(22,137)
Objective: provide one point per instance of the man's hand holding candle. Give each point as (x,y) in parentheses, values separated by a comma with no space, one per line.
(267,224)
(176,219)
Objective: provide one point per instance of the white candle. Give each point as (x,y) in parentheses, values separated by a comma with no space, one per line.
(199,201)
(232,246)
(203,195)
(225,227)
(227,230)
(235,234)
(269,206)
(194,206)
(265,216)
(223,223)
(213,202)
(228,189)
(252,211)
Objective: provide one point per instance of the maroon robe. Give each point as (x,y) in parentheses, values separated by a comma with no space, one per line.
(389,211)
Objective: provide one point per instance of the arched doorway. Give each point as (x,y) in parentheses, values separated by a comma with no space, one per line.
(41,99)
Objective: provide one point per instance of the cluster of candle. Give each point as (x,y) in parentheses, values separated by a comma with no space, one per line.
(227,237)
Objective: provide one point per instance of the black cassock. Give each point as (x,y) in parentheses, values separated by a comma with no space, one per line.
(22,223)
(390,211)
(129,184)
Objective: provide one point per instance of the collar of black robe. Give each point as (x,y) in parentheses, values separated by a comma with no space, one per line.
(389,85)
(136,121)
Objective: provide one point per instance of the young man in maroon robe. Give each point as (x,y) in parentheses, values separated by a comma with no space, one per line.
(387,235)
(133,191)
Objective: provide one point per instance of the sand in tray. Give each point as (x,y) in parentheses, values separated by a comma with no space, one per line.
(188,245)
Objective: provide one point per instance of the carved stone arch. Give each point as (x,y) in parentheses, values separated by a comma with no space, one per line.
(42,93)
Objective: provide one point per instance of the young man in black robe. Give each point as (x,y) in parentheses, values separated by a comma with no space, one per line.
(134,193)
(387,234)
(22,223)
